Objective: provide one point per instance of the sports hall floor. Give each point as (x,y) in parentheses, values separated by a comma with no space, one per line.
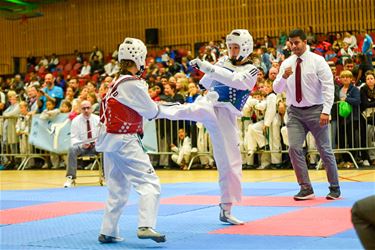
(37,213)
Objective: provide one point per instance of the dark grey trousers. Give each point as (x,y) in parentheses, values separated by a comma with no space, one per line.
(300,122)
(74,152)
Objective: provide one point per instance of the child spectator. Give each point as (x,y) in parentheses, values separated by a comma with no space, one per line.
(22,130)
(181,154)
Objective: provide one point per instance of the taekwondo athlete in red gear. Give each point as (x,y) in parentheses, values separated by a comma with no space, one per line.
(229,82)
(126,164)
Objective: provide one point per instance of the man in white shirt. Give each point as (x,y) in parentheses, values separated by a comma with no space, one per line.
(309,86)
(84,129)
(85,70)
(111,68)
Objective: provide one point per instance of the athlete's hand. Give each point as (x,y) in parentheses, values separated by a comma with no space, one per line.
(196,63)
(203,66)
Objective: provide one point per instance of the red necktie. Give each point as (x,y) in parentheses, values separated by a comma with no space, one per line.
(298,81)
(89,134)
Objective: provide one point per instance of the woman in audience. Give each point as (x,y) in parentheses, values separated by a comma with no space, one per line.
(91,97)
(10,138)
(368,112)
(348,126)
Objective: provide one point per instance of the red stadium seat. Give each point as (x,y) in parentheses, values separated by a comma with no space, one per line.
(77,66)
(68,67)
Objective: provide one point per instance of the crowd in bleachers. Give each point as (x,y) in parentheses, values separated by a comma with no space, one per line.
(54,85)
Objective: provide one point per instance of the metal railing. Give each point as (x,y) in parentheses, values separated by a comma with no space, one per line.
(352,135)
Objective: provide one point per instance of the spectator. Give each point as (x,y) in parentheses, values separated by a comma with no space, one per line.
(181,153)
(2,102)
(32,99)
(348,125)
(52,92)
(258,134)
(349,65)
(287,49)
(85,70)
(170,94)
(267,42)
(53,62)
(96,55)
(60,81)
(186,67)
(310,36)
(83,129)
(350,39)
(367,46)
(209,55)
(346,53)
(115,52)
(74,84)
(91,97)
(96,66)
(43,63)
(19,85)
(367,92)
(111,68)
(182,87)
(173,66)
(338,43)
(363,67)
(22,130)
(11,139)
(78,55)
(50,112)
(272,73)
(30,61)
(153,94)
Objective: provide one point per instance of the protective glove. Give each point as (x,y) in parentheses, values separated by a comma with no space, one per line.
(203,66)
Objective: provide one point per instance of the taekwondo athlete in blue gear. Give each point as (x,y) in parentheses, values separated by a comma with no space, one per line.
(229,82)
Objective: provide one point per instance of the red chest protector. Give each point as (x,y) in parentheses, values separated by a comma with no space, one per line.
(119,118)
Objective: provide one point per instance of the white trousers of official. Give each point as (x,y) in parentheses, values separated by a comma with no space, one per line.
(130,166)
(221,125)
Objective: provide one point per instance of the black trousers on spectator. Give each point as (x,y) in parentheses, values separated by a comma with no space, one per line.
(363,218)
(364,139)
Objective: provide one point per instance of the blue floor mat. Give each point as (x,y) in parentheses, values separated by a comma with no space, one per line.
(186,226)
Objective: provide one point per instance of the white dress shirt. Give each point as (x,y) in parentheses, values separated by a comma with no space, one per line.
(78,129)
(316,82)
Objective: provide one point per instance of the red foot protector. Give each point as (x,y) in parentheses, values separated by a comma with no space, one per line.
(315,222)
(269,201)
(46,211)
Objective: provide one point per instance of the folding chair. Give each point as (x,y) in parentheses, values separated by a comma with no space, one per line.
(98,161)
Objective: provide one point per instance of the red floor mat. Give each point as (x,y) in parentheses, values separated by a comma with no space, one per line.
(46,211)
(272,201)
(317,222)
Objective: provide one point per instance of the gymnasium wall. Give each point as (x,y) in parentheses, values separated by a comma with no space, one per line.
(80,24)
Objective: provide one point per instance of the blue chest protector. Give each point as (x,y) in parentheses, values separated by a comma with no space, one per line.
(236,97)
